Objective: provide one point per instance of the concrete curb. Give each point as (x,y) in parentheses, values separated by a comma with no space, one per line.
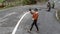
(57,15)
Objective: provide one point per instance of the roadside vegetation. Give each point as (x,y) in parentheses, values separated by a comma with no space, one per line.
(11,3)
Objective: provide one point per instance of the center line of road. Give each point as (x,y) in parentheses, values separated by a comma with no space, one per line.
(15,29)
(8,15)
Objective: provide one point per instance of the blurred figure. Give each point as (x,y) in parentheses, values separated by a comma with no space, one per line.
(53,4)
(34,18)
(49,6)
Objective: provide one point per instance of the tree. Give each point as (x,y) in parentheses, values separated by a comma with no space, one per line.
(2,3)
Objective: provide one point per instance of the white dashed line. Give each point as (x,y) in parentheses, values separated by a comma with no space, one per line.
(9,14)
(57,15)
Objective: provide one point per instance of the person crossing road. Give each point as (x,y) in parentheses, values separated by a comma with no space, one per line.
(34,18)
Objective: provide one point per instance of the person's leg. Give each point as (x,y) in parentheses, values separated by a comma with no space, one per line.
(36,25)
(49,8)
(32,26)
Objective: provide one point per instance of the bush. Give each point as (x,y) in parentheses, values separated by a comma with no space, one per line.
(1,1)
(28,2)
(33,1)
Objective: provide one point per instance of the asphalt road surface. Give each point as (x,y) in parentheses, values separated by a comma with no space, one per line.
(47,22)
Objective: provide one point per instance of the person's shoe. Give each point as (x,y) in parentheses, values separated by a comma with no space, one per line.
(37,31)
(29,31)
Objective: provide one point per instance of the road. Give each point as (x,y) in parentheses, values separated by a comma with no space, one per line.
(47,22)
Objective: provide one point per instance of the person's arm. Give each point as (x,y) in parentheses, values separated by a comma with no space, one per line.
(31,12)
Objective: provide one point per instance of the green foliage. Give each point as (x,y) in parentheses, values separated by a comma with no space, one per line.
(33,1)
(28,2)
(1,1)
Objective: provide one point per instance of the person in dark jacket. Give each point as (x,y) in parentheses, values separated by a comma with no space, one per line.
(49,6)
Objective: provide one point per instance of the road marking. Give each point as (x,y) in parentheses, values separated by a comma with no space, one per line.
(3,20)
(8,15)
(57,15)
(14,31)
